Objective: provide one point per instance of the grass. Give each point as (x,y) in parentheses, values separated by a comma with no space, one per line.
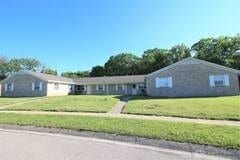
(219,136)
(82,103)
(9,101)
(226,108)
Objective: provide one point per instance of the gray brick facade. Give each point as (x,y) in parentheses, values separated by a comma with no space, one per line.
(192,80)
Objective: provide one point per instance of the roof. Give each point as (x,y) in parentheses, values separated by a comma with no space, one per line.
(110,80)
(191,60)
(44,77)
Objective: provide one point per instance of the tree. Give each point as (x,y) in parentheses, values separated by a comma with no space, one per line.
(179,52)
(221,50)
(77,74)
(15,64)
(97,71)
(154,59)
(68,74)
(49,71)
(235,63)
(3,67)
(122,64)
(82,73)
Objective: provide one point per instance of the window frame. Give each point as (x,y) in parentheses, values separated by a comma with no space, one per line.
(163,82)
(120,87)
(100,87)
(9,87)
(37,86)
(220,80)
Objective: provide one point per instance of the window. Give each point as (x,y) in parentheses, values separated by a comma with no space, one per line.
(81,88)
(164,82)
(134,86)
(56,86)
(119,87)
(36,86)
(9,87)
(219,80)
(100,87)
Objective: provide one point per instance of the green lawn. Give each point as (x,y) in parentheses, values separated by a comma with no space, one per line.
(8,101)
(220,136)
(75,103)
(227,108)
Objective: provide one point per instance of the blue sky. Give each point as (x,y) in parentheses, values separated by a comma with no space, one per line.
(71,35)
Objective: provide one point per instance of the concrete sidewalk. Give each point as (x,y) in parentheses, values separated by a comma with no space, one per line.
(118,108)
(162,118)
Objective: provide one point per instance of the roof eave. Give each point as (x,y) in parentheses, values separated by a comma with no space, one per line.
(198,60)
(63,82)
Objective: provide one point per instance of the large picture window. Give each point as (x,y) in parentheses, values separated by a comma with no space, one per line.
(9,87)
(219,80)
(162,82)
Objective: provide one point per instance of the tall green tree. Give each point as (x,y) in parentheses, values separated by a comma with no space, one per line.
(154,59)
(15,64)
(179,52)
(97,71)
(122,64)
(221,50)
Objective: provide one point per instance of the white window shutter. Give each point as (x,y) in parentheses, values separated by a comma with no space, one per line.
(211,81)
(97,87)
(12,87)
(33,86)
(123,87)
(137,86)
(103,86)
(226,80)
(116,87)
(40,86)
(170,84)
(5,87)
(157,82)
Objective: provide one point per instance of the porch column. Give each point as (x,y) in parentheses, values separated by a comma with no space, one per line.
(107,90)
(126,88)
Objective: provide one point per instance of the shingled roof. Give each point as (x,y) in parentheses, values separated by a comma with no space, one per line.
(110,80)
(43,76)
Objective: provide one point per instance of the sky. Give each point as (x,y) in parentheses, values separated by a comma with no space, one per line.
(71,35)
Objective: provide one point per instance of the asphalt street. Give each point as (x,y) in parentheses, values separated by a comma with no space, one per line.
(24,145)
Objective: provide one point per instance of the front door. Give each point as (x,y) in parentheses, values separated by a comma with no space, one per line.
(88,89)
(134,89)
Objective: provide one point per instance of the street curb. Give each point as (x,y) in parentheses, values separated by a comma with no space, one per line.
(195,148)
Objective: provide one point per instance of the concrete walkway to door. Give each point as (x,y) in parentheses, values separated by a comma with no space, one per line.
(118,108)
